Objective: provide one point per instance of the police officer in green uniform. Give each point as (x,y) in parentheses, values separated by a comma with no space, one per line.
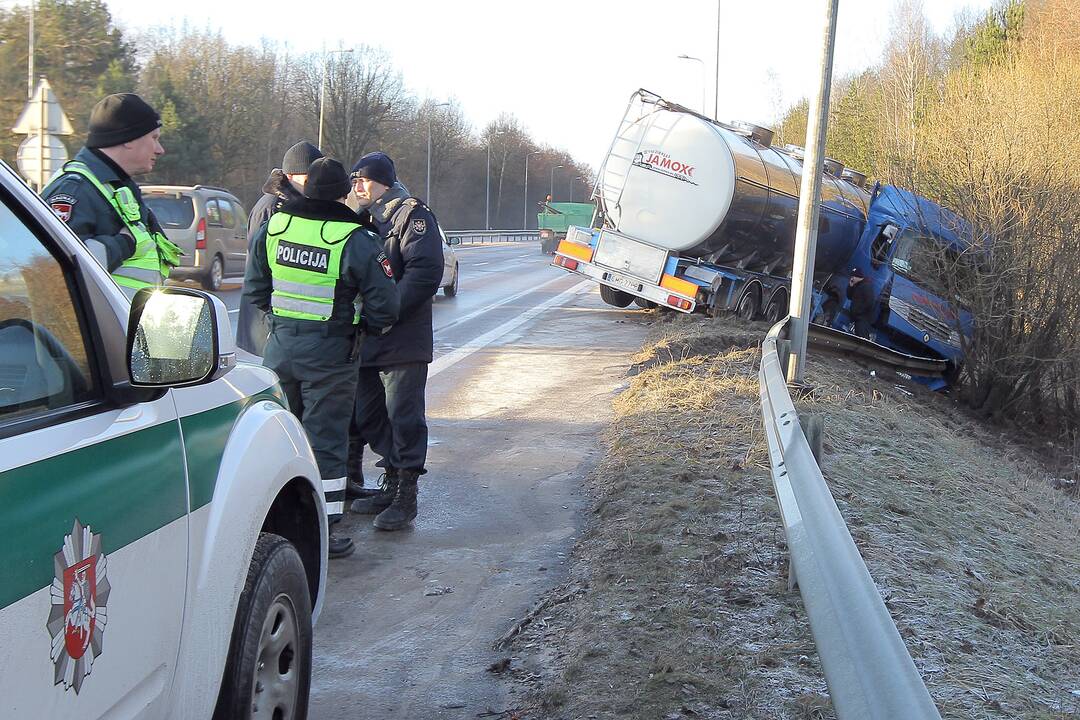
(95,193)
(325,282)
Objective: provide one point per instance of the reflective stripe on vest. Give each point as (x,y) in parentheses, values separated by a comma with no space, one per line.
(305,263)
(144,268)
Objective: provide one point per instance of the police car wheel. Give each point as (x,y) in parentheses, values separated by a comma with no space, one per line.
(215,275)
(268,673)
(451,289)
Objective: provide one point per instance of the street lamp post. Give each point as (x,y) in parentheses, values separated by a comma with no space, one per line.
(487,187)
(322,89)
(702,62)
(572,187)
(551,189)
(525,223)
(427,192)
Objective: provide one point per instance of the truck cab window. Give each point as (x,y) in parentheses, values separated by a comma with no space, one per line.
(879,249)
(43,354)
(923,260)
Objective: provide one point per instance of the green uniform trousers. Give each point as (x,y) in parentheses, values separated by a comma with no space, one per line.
(318,372)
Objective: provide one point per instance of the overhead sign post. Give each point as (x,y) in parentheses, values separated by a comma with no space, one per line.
(42,153)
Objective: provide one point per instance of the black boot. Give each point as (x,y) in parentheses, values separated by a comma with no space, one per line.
(340,546)
(354,469)
(403,510)
(374,501)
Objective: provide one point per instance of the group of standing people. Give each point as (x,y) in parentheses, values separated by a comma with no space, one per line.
(337,302)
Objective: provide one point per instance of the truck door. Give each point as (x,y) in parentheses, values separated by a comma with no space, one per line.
(93,501)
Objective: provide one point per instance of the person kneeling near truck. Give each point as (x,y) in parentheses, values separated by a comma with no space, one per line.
(863,308)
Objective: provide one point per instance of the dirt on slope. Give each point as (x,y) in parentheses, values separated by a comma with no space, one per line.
(677,604)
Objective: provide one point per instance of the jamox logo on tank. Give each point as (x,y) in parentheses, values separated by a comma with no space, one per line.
(661,162)
(79,593)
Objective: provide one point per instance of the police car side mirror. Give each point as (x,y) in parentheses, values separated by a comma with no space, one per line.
(178,337)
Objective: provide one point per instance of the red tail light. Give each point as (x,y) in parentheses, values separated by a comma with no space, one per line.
(679,302)
(200,235)
(566,262)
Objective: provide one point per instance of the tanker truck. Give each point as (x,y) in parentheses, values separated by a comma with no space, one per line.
(697,215)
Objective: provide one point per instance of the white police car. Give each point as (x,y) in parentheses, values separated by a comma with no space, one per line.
(162,527)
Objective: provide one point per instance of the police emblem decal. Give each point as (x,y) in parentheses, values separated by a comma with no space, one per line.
(419,226)
(79,591)
(62,205)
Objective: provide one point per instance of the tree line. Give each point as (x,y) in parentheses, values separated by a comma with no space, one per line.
(229,112)
(983,120)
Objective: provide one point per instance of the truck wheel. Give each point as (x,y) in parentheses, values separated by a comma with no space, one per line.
(749,306)
(777,310)
(644,304)
(268,672)
(618,298)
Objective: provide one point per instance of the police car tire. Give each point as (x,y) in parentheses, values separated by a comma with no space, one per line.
(276,572)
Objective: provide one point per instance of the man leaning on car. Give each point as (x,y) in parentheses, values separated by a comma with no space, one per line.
(98,199)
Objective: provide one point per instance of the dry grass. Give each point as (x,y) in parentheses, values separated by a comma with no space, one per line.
(677,603)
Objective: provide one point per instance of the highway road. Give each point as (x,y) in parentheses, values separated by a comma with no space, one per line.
(526,360)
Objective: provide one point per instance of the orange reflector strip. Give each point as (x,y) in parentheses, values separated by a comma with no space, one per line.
(581,252)
(566,262)
(674,284)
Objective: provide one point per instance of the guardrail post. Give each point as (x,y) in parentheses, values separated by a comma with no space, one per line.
(813,427)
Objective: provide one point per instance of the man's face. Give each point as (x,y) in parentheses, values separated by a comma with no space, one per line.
(141,154)
(367,191)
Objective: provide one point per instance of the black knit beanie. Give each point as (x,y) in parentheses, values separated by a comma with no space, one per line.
(299,157)
(376,166)
(120,118)
(326,180)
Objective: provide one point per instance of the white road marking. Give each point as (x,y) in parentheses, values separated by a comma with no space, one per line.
(486,308)
(481,264)
(447,361)
(234,311)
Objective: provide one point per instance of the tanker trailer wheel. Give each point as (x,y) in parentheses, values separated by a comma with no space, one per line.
(776,310)
(749,306)
(618,298)
(644,304)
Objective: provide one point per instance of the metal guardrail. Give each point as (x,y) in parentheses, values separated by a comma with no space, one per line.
(479,237)
(868,669)
(841,342)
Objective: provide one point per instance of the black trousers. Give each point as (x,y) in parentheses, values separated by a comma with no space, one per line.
(319,379)
(390,416)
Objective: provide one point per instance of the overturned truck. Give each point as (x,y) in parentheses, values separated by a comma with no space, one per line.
(697,215)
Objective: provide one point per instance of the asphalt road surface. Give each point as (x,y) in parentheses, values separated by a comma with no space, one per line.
(526,360)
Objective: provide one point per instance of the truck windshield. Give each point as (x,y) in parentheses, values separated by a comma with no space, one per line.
(924,261)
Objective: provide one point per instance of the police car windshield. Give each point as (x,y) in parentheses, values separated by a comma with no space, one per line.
(172,211)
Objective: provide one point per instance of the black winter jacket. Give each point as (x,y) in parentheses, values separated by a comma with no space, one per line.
(414,246)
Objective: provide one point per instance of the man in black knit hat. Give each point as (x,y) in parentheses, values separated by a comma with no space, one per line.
(325,281)
(393,368)
(285,184)
(96,195)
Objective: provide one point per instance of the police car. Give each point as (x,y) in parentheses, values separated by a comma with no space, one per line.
(162,527)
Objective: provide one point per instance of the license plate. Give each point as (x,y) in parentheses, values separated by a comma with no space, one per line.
(630,257)
(624,282)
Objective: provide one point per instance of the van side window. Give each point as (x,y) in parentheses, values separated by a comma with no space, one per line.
(44,363)
(213,213)
(241,218)
(226,213)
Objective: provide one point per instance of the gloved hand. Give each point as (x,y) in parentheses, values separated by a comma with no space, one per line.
(169,251)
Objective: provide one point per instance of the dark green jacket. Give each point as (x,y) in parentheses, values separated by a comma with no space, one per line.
(365,272)
(89,215)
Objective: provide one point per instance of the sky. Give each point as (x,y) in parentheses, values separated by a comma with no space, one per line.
(567,68)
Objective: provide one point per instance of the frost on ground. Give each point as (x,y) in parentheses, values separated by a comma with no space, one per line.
(677,604)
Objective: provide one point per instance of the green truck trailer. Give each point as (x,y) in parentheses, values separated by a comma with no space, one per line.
(555,217)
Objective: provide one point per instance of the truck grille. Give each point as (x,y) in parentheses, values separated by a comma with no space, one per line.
(925,322)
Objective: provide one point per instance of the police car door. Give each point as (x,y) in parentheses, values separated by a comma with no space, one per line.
(93,497)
